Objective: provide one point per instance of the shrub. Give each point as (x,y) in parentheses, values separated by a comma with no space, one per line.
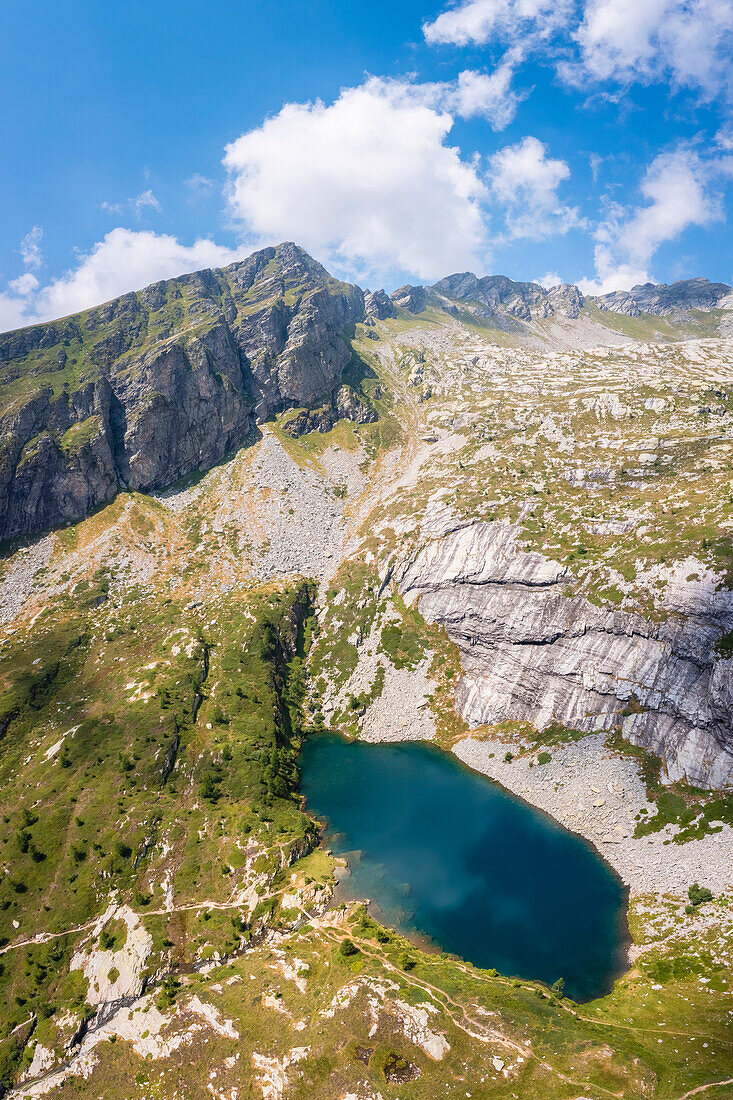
(508,757)
(168,993)
(544,758)
(347,949)
(698,895)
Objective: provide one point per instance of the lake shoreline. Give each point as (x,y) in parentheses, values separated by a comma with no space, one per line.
(461,864)
(595,793)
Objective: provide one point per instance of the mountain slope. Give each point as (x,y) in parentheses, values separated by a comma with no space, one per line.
(152,386)
(498,302)
(526,558)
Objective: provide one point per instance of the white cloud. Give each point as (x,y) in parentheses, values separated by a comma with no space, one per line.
(199,185)
(526,182)
(24,284)
(550,279)
(677,186)
(145,199)
(487,95)
(30,247)
(629,41)
(474,22)
(687,42)
(367,183)
(124,260)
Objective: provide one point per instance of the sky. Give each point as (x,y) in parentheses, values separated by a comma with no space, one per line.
(582,141)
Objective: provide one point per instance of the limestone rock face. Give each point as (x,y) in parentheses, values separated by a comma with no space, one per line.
(494,298)
(377,306)
(662,300)
(531,653)
(505,303)
(144,390)
(412,298)
(347,405)
(495,295)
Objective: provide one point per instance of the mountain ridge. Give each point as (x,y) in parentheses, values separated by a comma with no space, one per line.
(531,301)
(152,386)
(157,384)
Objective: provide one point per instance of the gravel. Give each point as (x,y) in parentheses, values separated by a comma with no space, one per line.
(596,793)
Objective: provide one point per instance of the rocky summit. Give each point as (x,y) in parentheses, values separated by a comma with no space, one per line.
(244,506)
(146,389)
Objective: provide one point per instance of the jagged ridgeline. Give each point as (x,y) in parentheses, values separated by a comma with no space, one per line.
(144,390)
(155,385)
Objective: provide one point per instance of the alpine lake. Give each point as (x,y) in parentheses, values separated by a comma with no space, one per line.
(448,857)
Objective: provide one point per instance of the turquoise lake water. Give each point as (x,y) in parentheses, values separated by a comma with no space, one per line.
(446,854)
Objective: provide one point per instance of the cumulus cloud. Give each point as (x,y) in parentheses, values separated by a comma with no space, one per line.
(124,260)
(485,95)
(475,22)
(30,248)
(678,189)
(688,42)
(550,279)
(24,284)
(526,181)
(367,183)
(627,41)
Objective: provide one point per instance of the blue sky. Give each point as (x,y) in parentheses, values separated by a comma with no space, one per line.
(585,141)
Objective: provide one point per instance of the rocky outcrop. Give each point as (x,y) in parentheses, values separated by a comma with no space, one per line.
(662,300)
(347,405)
(377,306)
(496,296)
(412,298)
(531,653)
(495,299)
(504,303)
(146,389)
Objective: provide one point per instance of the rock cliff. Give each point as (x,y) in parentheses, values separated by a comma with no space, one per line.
(661,300)
(495,295)
(144,390)
(504,303)
(531,653)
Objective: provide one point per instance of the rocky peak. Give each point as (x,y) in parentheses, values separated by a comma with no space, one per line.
(412,298)
(377,306)
(498,298)
(661,299)
(497,293)
(151,386)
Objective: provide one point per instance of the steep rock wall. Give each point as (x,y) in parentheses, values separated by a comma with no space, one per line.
(531,653)
(152,386)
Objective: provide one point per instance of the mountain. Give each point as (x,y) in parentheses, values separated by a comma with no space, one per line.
(483,514)
(152,386)
(505,303)
(156,385)
(660,300)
